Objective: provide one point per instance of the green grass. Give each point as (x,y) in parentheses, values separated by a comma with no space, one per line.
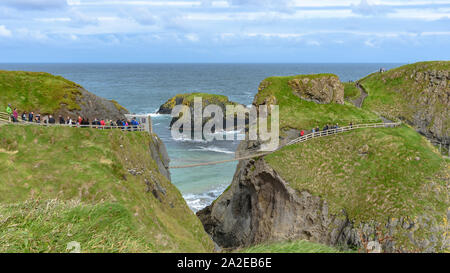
(385,182)
(388,180)
(351,92)
(91,166)
(37,91)
(396,93)
(300,114)
(300,246)
(49,226)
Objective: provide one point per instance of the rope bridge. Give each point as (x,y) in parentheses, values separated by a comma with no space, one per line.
(295,141)
(4,118)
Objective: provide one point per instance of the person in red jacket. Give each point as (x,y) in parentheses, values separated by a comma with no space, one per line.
(302,133)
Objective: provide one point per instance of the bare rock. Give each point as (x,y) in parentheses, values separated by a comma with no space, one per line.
(321,89)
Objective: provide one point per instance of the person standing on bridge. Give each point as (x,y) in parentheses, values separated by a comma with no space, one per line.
(302,133)
(51,120)
(9,111)
(15,115)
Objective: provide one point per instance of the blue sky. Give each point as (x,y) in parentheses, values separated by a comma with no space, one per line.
(224,30)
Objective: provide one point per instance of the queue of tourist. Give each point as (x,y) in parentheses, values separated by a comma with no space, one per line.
(327,129)
(32,117)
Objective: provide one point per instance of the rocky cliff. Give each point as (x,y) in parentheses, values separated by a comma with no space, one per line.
(418,94)
(307,101)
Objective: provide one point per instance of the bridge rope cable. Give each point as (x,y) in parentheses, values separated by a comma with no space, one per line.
(5,118)
(295,141)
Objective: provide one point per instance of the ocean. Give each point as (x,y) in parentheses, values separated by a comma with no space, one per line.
(142,88)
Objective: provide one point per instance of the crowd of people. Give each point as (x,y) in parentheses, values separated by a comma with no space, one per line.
(326,129)
(32,117)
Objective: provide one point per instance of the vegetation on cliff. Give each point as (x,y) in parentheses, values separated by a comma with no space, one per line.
(351,92)
(417,93)
(101,188)
(300,246)
(188,100)
(46,94)
(298,113)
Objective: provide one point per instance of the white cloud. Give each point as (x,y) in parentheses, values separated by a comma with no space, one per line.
(192,37)
(369,9)
(4,32)
(35,4)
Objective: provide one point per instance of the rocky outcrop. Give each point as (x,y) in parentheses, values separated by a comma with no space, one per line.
(207,99)
(159,154)
(92,106)
(321,89)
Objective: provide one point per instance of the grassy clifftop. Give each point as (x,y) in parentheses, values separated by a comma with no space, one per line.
(37,91)
(298,113)
(100,188)
(45,93)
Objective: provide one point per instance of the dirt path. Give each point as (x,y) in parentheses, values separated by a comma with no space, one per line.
(359,101)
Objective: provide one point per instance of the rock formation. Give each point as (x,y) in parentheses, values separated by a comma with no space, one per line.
(324,89)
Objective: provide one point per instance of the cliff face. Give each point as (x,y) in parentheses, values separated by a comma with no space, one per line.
(92,106)
(260,207)
(431,110)
(418,94)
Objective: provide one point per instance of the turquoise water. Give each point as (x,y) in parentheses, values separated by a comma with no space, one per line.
(142,88)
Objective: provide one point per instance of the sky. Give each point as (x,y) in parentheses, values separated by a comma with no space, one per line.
(224,31)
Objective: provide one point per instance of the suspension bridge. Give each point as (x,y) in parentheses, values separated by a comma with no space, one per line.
(145,125)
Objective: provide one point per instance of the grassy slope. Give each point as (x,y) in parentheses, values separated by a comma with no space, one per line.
(301,114)
(393,93)
(351,92)
(291,247)
(115,212)
(388,181)
(37,91)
